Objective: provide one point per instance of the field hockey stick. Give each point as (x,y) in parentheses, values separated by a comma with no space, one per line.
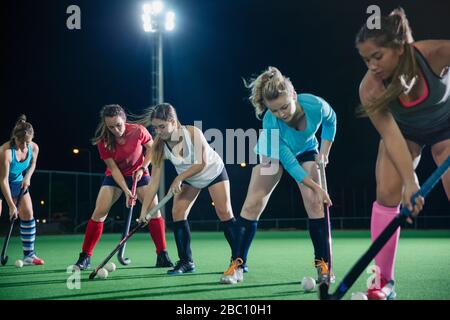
(323,184)
(4,257)
(131,204)
(351,277)
(141,224)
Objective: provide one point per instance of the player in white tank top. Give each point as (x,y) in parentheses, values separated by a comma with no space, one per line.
(214,164)
(198,166)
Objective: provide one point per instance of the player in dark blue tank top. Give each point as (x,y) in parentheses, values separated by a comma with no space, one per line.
(405,93)
(18,156)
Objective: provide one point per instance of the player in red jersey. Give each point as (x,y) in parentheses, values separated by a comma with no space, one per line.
(121,145)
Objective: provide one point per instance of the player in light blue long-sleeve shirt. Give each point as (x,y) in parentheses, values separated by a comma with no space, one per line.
(290,123)
(292,142)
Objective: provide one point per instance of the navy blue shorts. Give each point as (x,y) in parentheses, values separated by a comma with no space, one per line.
(109,181)
(223,176)
(430,136)
(15,189)
(307,156)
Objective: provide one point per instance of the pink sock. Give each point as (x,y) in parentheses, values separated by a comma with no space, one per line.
(385,259)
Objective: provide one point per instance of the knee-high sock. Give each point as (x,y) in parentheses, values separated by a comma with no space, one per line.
(28,235)
(246,233)
(319,238)
(385,259)
(94,231)
(230,232)
(182,235)
(157,230)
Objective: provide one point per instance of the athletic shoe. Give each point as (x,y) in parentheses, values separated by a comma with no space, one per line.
(163,260)
(32,260)
(332,277)
(84,261)
(322,271)
(234,273)
(385,292)
(182,267)
(243,266)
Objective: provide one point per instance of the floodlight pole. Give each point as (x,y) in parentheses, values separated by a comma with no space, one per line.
(158,96)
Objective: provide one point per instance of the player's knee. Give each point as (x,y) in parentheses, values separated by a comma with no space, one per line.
(178,213)
(252,209)
(313,207)
(224,212)
(157,215)
(99,214)
(389,195)
(26,216)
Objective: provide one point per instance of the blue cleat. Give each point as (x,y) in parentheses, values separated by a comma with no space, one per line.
(182,267)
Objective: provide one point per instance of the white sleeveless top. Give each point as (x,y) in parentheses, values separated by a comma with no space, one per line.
(214,163)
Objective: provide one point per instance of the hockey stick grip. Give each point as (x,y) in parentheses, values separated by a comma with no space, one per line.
(132,201)
(161,204)
(428,185)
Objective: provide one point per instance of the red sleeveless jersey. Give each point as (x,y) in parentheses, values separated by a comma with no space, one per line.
(129,156)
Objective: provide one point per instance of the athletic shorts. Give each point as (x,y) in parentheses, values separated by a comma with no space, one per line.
(15,189)
(223,176)
(429,137)
(109,181)
(307,156)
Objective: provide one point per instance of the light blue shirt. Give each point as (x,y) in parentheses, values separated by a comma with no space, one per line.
(16,168)
(279,141)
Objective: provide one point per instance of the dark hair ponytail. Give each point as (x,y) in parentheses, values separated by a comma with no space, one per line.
(394,33)
(21,131)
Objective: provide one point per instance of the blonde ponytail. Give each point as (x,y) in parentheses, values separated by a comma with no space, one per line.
(269,85)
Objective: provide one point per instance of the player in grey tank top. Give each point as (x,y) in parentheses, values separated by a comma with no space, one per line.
(198,166)
(405,93)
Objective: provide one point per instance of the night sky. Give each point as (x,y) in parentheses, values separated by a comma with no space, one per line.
(61,78)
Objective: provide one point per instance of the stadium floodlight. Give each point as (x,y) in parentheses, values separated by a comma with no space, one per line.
(154,17)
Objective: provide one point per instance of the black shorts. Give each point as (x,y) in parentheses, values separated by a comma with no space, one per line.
(223,176)
(14,188)
(307,156)
(427,137)
(109,181)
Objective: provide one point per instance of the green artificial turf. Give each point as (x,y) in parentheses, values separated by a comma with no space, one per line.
(278,260)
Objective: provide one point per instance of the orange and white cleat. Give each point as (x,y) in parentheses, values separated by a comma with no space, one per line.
(323,275)
(234,273)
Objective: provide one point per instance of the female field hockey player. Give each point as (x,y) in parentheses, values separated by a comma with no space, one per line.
(295,119)
(198,166)
(405,93)
(121,145)
(17,156)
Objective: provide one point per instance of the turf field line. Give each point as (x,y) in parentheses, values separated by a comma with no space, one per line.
(214,286)
(190,292)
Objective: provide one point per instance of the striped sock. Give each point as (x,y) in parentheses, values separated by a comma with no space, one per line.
(28,235)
